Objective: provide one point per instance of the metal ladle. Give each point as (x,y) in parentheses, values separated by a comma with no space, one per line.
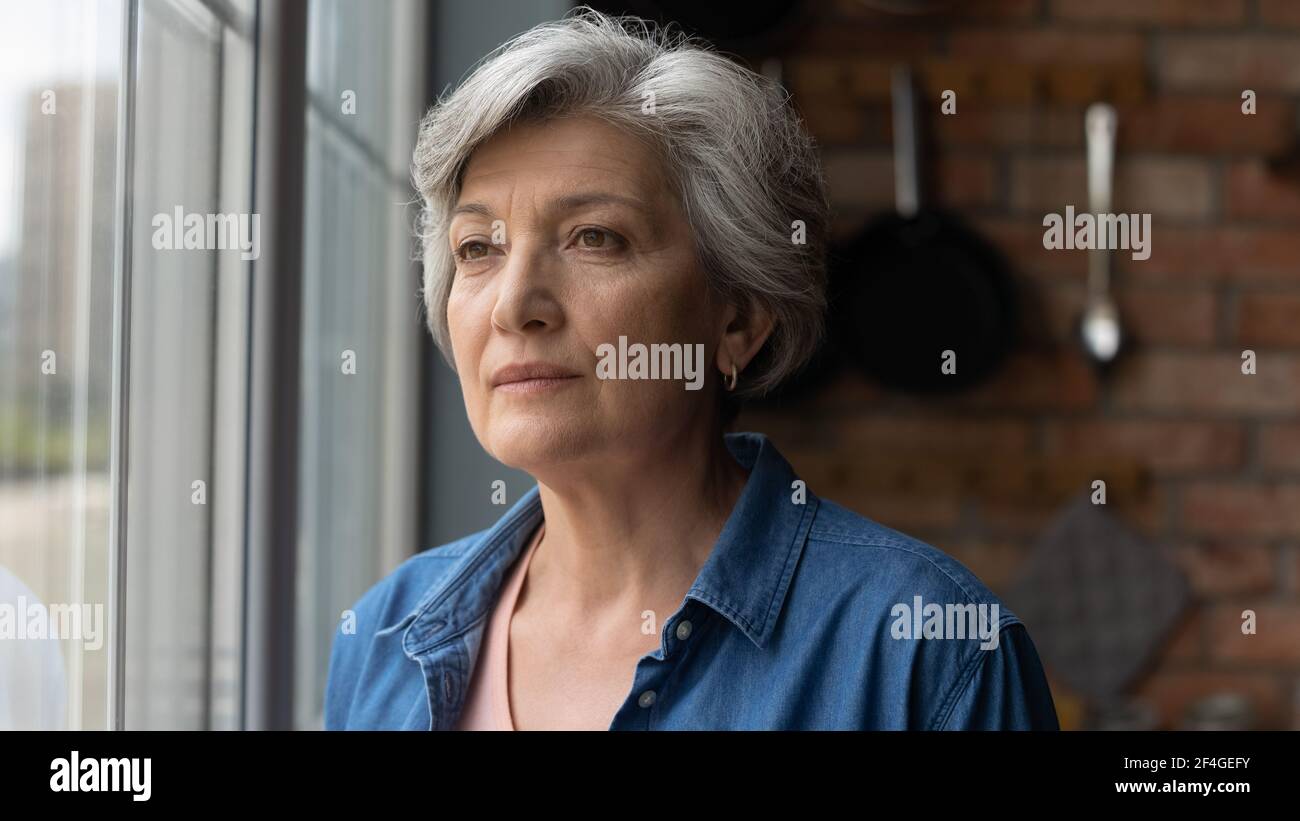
(1100,332)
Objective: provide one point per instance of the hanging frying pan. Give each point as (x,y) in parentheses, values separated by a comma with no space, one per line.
(918,282)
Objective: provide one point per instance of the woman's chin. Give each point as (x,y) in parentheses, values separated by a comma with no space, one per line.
(534,441)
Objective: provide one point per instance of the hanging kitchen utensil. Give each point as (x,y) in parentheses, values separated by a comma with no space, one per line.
(918,282)
(1099,329)
(1098,599)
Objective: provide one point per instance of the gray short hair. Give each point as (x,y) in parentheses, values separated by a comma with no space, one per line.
(742,164)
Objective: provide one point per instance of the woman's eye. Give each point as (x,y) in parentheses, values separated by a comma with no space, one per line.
(597,239)
(472,250)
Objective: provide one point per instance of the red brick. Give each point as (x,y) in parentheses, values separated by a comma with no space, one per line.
(865,179)
(1159,315)
(1237,508)
(1020,239)
(1231,62)
(1046,45)
(1207,383)
(789,430)
(1051,311)
(1185,642)
(931,433)
(1166,316)
(1176,124)
(996,562)
(977,82)
(847,390)
(1222,567)
(1033,380)
(902,511)
(819,80)
(1163,187)
(964,181)
(927,472)
(844,391)
(1251,192)
(878,126)
(1199,124)
(1279,446)
(1158,12)
(1232,253)
(1165,446)
(856,38)
(1275,642)
(1174,691)
(838,79)
(1285,13)
(1179,254)
(1147,514)
(1015,517)
(1013,126)
(832,122)
(859,179)
(984,10)
(1268,319)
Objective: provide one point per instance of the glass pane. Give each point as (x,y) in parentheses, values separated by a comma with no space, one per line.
(361,323)
(59,67)
(192,169)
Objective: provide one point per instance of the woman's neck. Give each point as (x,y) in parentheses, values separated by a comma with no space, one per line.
(636,530)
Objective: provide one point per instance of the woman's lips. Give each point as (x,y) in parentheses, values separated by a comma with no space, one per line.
(536,385)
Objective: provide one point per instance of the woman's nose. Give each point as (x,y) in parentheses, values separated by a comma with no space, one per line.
(526,297)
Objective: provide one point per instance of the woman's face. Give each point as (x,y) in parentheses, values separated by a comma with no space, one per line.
(567,236)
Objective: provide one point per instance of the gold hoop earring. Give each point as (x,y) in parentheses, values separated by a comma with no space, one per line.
(731,384)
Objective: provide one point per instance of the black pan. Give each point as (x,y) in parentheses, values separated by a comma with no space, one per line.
(918,282)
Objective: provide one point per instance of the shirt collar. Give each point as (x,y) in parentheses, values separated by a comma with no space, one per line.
(745,579)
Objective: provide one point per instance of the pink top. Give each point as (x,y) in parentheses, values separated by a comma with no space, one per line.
(487,706)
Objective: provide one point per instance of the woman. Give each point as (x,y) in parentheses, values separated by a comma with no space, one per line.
(609,210)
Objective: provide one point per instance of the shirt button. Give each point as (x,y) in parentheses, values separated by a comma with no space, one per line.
(647,698)
(683,630)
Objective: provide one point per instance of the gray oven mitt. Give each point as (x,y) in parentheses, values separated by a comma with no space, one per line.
(1097,599)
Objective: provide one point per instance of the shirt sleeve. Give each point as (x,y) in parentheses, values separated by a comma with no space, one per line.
(339,681)
(1006,690)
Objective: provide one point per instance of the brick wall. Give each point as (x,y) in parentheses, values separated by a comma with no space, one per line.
(1206,461)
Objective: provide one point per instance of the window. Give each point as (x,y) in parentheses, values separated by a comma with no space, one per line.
(135,365)
(191,133)
(59,225)
(361,330)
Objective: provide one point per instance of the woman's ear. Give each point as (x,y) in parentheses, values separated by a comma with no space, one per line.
(744,332)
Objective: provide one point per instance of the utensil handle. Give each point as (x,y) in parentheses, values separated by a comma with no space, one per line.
(907,176)
(1100,124)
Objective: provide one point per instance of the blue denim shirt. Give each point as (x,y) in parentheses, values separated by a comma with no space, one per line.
(804,616)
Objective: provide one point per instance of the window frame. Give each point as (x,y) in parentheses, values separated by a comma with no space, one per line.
(255,411)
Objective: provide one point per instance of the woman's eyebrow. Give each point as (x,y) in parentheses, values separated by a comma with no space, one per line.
(474,208)
(573,202)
